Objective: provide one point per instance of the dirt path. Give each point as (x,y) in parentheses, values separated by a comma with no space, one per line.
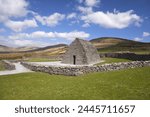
(58,64)
(19,69)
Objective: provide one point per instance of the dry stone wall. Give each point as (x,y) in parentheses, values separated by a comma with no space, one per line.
(8,65)
(74,71)
(130,56)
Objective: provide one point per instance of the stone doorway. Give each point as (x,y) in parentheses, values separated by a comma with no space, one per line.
(74,59)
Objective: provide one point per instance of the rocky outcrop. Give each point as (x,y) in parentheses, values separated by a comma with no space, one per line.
(78,70)
(8,65)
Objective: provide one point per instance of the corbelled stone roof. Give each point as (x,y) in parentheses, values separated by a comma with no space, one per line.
(86,45)
(84,51)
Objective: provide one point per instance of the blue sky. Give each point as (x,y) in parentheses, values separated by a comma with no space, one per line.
(48,22)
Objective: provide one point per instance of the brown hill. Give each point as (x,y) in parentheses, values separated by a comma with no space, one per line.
(103,44)
(49,51)
(5,48)
(112,44)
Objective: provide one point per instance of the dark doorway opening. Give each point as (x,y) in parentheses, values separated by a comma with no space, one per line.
(74,59)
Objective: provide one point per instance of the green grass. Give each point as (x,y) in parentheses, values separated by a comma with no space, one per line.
(124,84)
(113,60)
(1,66)
(40,60)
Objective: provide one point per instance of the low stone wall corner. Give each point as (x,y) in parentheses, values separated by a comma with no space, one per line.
(8,65)
(76,71)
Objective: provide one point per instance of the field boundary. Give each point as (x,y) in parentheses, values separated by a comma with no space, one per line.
(130,56)
(78,70)
(8,65)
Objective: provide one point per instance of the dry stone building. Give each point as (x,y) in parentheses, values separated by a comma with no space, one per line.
(81,52)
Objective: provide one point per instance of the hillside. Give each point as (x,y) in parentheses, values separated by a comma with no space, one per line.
(51,50)
(112,44)
(4,49)
(49,47)
(27,52)
(103,45)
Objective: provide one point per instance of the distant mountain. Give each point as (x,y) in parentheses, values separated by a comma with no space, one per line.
(49,47)
(5,48)
(103,44)
(51,50)
(25,48)
(113,44)
(35,51)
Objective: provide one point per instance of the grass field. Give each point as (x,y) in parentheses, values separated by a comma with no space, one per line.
(40,60)
(124,84)
(113,60)
(106,60)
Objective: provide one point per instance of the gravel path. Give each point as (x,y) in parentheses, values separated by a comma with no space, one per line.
(19,69)
(57,64)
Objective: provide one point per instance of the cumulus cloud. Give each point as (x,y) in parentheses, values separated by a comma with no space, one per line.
(41,34)
(12,8)
(29,43)
(138,39)
(22,42)
(86,25)
(71,15)
(85,10)
(116,19)
(146,34)
(18,26)
(88,6)
(91,3)
(51,20)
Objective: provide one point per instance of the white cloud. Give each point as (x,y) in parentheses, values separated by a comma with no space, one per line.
(30,43)
(138,39)
(86,25)
(51,20)
(116,19)
(88,6)
(146,34)
(18,26)
(85,10)
(71,15)
(41,34)
(12,8)
(22,42)
(91,3)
